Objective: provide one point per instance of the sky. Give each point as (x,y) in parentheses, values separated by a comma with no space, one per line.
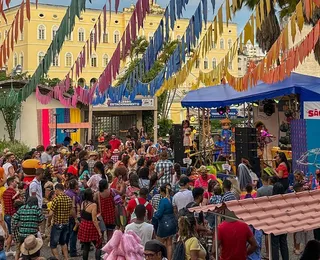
(240,18)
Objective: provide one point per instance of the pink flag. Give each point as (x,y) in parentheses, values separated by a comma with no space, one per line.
(84,56)
(133,25)
(139,13)
(128,39)
(99,28)
(104,18)
(95,37)
(77,68)
(123,44)
(117,5)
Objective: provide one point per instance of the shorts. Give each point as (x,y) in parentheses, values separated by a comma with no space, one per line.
(7,219)
(59,234)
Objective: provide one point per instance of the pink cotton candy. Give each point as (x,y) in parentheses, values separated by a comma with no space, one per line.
(135,236)
(113,242)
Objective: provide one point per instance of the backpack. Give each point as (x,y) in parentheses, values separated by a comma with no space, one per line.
(179,252)
(133,215)
(184,212)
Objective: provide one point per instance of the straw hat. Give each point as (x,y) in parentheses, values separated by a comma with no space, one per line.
(31,245)
(93,153)
(203,169)
(225,121)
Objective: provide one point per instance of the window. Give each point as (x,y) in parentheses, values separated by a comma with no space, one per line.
(197,64)
(93,60)
(40,57)
(105,37)
(150,37)
(54,31)
(221,43)
(105,60)
(81,35)
(55,61)
(21,36)
(21,59)
(68,59)
(179,37)
(116,37)
(41,32)
(15,60)
(230,65)
(229,44)
(214,63)
(205,64)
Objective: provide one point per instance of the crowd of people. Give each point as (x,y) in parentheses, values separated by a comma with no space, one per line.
(128,192)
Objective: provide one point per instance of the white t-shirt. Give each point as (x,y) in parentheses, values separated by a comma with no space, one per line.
(35,186)
(6,167)
(143,230)
(182,198)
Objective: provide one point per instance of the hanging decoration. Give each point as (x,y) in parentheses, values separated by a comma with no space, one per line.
(66,27)
(28,7)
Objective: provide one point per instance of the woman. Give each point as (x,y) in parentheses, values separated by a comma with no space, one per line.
(283,169)
(133,189)
(84,175)
(89,230)
(166,220)
(144,177)
(106,156)
(152,167)
(121,176)
(153,189)
(152,154)
(93,182)
(209,193)
(187,234)
(106,207)
(73,169)
(279,242)
(132,163)
(244,169)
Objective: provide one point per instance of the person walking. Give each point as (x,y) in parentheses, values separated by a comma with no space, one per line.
(60,211)
(27,221)
(89,230)
(164,167)
(35,188)
(72,193)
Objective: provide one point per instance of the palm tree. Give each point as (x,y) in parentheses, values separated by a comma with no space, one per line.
(138,47)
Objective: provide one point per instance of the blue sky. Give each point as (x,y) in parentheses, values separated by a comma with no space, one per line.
(240,18)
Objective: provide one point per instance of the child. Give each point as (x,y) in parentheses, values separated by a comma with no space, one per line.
(2,252)
(249,189)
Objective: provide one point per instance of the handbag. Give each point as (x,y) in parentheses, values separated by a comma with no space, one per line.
(102,225)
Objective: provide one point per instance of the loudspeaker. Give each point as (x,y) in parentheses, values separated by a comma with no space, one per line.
(178,148)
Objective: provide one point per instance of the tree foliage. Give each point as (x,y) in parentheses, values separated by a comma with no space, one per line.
(11,116)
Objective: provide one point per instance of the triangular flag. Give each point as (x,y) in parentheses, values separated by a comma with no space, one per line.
(28,9)
(220,20)
(234,6)
(293,27)
(215,25)
(16,26)
(258,21)
(21,16)
(299,12)
(262,11)
(228,15)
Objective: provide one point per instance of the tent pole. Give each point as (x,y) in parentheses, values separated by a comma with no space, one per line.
(269,245)
(216,236)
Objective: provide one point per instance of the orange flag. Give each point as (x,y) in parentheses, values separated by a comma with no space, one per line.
(21,16)
(16,26)
(28,9)
(12,37)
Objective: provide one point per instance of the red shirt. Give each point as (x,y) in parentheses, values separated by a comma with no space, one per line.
(132,205)
(233,237)
(115,144)
(8,201)
(73,170)
(203,183)
(282,167)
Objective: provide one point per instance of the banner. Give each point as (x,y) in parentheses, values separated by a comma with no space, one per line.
(311,110)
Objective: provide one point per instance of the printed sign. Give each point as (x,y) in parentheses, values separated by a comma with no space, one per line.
(70,130)
(311,110)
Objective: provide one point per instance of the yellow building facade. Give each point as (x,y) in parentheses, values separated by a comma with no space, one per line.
(39,32)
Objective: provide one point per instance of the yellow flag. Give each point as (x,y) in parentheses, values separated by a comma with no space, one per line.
(258,21)
(234,6)
(299,12)
(220,20)
(293,27)
(215,27)
(252,30)
(285,38)
(262,10)
(240,42)
(210,39)
(247,33)
(228,15)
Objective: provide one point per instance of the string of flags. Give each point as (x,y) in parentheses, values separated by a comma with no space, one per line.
(8,2)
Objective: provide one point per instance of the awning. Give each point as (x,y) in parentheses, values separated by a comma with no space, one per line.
(70,125)
(224,95)
(279,214)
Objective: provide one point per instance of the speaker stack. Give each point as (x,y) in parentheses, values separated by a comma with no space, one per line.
(178,148)
(246,146)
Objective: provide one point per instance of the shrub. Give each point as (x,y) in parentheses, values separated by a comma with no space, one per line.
(19,149)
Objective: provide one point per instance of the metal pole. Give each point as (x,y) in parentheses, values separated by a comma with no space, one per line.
(216,235)
(56,137)
(269,245)
(89,137)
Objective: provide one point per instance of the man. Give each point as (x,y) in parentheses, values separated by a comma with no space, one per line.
(35,188)
(144,230)
(61,209)
(115,156)
(134,132)
(114,142)
(8,166)
(72,193)
(27,220)
(233,237)
(266,189)
(155,250)
(204,178)
(142,200)
(93,158)
(184,196)
(9,197)
(228,194)
(165,167)
(46,157)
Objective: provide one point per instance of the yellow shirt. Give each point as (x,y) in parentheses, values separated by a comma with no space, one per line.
(49,204)
(193,244)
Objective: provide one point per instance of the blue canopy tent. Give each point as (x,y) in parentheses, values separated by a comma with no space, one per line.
(308,87)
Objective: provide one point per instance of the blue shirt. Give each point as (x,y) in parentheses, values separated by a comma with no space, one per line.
(256,255)
(165,208)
